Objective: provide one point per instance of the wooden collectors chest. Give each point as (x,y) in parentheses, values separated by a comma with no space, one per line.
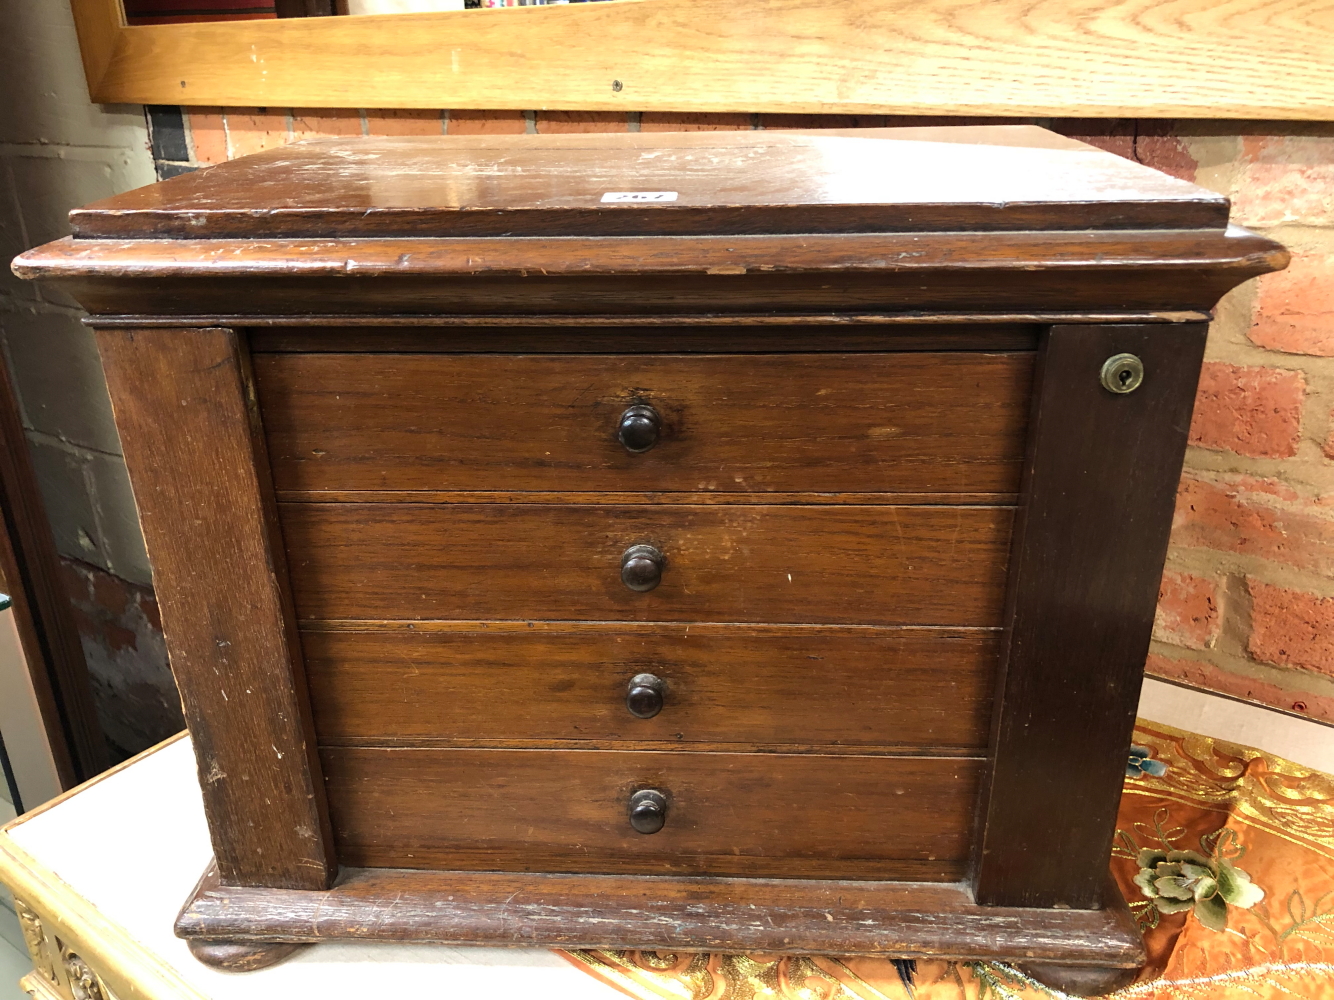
(714,541)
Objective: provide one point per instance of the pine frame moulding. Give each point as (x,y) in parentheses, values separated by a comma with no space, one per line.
(1085,58)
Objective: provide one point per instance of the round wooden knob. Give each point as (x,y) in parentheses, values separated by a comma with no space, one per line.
(641,567)
(638,429)
(644,695)
(648,810)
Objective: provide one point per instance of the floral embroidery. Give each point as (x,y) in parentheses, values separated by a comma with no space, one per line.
(1142,764)
(1174,880)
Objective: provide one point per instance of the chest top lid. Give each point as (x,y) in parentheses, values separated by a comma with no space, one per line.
(963,178)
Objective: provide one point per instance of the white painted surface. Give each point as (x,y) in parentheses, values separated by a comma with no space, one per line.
(135,843)
(401,6)
(21,722)
(1298,740)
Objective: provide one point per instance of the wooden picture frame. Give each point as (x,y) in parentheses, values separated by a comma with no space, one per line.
(1102,58)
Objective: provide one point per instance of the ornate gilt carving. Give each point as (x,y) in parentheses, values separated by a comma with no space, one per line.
(34,936)
(83,981)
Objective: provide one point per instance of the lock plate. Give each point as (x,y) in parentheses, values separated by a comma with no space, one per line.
(1122,373)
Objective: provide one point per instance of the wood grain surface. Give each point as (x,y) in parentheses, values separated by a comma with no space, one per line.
(759,334)
(784,815)
(197,464)
(1088,556)
(886,422)
(1108,272)
(890,688)
(676,913)
(961,179)
(943,57)
(836,564)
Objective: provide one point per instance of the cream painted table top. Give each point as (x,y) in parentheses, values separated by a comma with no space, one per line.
(131,846)
(114,860)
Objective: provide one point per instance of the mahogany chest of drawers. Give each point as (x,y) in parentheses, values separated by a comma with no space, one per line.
(741,541)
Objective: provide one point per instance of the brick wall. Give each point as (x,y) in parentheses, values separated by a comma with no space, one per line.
(1247,604)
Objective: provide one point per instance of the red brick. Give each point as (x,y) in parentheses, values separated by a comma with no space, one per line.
(1207,676)
(1168,153)
(405,121)
(1229,517)
(208,134)
(583,121)
(1250,411)
(1291,628)
(1294,308)
(1188,611)
(821,121)
(250,130)
(1115,135)
(1285,178)
(666,121)
(486,123)
(1272,487)
(312,123)
(1145,141)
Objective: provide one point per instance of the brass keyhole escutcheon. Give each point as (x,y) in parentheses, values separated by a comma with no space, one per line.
(1122,373)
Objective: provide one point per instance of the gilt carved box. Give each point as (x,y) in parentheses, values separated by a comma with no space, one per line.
(711,541)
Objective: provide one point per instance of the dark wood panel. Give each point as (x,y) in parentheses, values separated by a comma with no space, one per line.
(671,913)
(874,687)
(955,273)
(834,565)
(910,422)
(1100,488)
(782,815)
(655,499)
(200,476)
(666,335)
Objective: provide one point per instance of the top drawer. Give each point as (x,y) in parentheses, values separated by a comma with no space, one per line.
(944,422)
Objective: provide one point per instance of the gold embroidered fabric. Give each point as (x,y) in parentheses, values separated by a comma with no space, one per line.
(1219,814)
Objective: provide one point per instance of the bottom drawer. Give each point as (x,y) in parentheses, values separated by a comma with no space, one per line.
(776,815)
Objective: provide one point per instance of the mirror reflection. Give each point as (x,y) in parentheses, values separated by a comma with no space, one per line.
(139,12)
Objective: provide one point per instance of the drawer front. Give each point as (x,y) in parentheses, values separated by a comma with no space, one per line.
(780,815)
(806,423)
(874,565)
(813,686)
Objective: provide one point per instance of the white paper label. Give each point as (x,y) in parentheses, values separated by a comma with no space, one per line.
(620,196)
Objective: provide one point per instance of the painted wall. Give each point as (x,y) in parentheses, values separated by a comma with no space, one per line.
(58,151)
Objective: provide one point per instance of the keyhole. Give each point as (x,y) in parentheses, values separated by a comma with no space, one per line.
(1121,373)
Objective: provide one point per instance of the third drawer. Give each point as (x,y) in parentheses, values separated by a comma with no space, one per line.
(581,685)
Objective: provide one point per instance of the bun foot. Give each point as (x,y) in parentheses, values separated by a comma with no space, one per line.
(240,956)
(1081,980)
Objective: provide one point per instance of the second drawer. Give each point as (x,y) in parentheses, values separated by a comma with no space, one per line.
(857,565)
